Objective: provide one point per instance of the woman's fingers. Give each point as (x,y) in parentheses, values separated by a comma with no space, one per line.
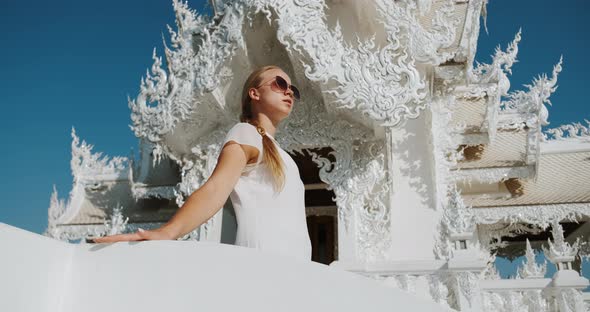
(137,236)
(119,238)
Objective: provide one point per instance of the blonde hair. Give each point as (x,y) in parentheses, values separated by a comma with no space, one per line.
(270,152)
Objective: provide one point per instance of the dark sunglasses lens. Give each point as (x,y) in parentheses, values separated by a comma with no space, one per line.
(295,92)
(282,83)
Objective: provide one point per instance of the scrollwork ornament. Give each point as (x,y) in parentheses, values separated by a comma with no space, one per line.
(438,289)
(463,284)
(569,132)
(383,84)
(534,300)
(540,215)
(430,46)
(570,300)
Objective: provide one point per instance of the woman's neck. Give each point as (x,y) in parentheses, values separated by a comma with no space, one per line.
(269,126)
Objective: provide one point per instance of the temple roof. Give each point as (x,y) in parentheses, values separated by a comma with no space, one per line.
(562,177)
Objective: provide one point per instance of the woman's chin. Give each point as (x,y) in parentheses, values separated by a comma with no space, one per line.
(284,113)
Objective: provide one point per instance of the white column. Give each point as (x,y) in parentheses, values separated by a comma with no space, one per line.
(412,196)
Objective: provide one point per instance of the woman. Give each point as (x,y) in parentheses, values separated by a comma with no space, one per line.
(262,179)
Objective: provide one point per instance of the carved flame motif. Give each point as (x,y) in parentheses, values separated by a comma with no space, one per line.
(530,268)
(118,223)
(559,250)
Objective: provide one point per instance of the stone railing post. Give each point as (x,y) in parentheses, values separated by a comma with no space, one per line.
(564,292)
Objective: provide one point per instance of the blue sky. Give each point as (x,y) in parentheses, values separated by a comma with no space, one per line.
(72,63)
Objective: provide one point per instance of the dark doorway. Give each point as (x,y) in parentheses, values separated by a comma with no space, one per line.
(321,211)
(322,231)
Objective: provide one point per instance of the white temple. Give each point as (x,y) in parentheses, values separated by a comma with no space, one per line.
(420,166)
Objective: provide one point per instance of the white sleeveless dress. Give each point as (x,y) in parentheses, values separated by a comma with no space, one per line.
(267,220)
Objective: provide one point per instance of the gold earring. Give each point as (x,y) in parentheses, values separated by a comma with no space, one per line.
(261,130)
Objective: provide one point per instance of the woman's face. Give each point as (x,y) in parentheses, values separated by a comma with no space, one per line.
(269,100)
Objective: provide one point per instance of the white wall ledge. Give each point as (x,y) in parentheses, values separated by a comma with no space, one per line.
(41,274)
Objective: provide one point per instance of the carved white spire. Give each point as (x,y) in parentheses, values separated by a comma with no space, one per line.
(457,216)
(201,48)
(117,224)
(560,252)
(530,268)
(57,208)
(537,96)
(85,164)
(501,65)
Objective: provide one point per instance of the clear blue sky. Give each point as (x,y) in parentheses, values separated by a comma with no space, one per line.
(72,63)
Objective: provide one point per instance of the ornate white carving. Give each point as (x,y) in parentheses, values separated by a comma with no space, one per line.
(439,291)
(534,100)
(457,216)
(117,224)
(89,167)
(492,301)
(502,62)
(430,45)
(465,285)
(507,300)
(530,268)
(560,251)
(200,51)
(535,301)
(491,272)
(361,191)
(404,282)
(490,235)
(382,83)
(57,208)
(424,6)
(570,300)
(374,216)
(570,132)
(539,215)
(89,171)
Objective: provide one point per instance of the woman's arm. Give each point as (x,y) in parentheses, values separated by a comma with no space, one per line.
(204,202)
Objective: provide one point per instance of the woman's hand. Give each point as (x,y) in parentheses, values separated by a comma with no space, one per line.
(140,235)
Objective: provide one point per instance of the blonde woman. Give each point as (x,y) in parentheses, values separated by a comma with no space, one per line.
(261,179)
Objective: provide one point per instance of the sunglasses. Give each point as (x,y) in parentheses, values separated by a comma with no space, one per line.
(279,84)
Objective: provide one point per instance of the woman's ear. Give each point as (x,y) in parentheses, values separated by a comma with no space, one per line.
(253,93)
